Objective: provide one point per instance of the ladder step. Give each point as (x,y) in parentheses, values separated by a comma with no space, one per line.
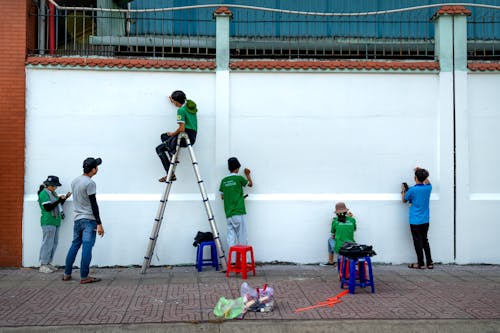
(195,163)
(201,181)
(152,238)
(147,258)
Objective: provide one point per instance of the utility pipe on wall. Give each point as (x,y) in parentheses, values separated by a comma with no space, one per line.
(52,28)
(42,22)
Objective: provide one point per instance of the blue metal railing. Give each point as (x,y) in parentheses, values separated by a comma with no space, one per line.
(399,25)
(298,29)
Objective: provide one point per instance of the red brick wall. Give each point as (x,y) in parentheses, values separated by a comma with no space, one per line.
(12,118)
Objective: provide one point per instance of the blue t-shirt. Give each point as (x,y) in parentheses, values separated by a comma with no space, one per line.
(418,196)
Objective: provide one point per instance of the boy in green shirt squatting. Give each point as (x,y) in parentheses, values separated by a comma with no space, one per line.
(231,190)
(343,227)
(188,122)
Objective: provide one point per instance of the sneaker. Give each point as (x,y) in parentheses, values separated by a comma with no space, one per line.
(45,269)
(53,268)
(327,264)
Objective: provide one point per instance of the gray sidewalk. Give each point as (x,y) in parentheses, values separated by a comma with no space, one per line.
(179,299)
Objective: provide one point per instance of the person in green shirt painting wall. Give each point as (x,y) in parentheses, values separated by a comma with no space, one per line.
(231,190)
(51,215)
(187,122)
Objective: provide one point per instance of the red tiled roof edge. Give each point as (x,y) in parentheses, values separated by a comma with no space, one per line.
(120,63)
(484,66)
(451,10)
(223,11)
(332,65)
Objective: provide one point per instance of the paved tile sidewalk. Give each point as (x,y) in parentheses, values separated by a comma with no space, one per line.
(181,294)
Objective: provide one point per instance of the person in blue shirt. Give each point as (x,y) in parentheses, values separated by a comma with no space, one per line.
(418,197)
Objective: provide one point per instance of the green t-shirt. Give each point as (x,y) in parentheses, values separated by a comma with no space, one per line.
(232,188)
(188,118)
(344,231)
(47,218)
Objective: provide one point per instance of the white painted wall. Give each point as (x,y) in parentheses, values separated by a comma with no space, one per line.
(118,116)
(479,197)
(329,137)
(311,139)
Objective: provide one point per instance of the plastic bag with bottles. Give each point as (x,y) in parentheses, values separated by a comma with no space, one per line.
(257,299)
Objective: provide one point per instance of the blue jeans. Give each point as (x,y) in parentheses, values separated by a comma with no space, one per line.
(84,232)
(331,245)
(49,243)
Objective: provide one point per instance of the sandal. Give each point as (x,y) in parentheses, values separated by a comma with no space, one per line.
(430,266)
(415,266)
(66,277)
(164,179)
(89,280)
(327,264)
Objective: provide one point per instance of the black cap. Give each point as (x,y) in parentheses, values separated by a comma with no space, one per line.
(52,181)
(233,164)
(91,163)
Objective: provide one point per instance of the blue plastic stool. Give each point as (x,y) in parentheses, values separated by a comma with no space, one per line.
(353,270)
(200,262)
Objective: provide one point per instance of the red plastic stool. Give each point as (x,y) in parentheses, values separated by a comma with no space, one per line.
(241,265)
(343,265)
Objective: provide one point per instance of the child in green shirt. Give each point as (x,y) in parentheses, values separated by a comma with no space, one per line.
(188,123)
(51,215)
(342,230)
(231,190)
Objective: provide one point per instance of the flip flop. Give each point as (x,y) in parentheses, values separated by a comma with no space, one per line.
(66,277)
(89,280)
(164,179)
(430,266)
(415,266)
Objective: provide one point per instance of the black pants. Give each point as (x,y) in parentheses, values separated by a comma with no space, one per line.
(419,234)
(169,143)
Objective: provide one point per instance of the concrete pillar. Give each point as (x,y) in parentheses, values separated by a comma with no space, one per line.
(222,16)
(451,37)
(222,115)
(451,51)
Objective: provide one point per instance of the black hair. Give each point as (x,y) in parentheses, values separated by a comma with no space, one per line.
(233,164)
(42,187)
(87,169)
(179,96)
(421,174)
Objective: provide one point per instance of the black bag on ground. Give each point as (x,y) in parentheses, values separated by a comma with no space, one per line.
(354,250)
(203,237)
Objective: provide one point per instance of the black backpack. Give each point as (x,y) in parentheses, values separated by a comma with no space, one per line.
(203,237)
(354,250)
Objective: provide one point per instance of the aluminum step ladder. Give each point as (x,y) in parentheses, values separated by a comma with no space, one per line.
(163,202)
